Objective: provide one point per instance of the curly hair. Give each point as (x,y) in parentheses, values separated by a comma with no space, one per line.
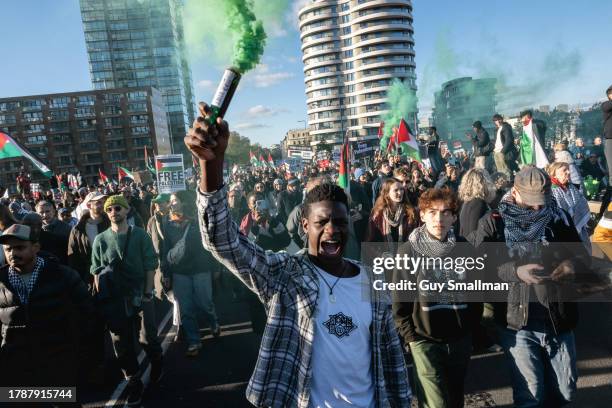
(383,201)
(552,168)
(324,192)
(445,194)
(476,183)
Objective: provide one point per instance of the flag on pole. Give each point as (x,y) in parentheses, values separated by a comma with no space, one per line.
(72,181)
(407,142)
(103,177)
(123,172)
(345,164)
(253,159)
(148,162)
(6,193)
(381,130)
(262,162)
(270,160)
(10,148)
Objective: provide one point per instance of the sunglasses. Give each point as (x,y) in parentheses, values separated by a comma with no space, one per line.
(115,208)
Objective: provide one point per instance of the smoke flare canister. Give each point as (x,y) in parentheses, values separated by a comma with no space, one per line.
(224,94)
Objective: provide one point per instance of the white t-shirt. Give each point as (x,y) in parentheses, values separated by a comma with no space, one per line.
(342,348)
(498,142)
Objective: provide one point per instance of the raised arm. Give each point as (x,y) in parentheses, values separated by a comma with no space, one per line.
(259,270)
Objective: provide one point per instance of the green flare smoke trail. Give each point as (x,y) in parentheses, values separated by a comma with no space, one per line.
(220,30)
(250,32)
(401,104)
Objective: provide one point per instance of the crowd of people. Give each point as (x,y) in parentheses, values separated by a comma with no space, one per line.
(100,259)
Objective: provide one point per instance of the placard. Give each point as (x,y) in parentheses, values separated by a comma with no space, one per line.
(170,173)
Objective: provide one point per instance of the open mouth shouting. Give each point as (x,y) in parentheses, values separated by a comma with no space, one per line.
(331,248)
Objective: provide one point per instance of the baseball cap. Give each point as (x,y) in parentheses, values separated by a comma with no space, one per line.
(64,210)
(93,196)
(533,185)
(161,198)
(19,231)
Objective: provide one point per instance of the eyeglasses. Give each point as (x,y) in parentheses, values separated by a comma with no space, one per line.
(115,208)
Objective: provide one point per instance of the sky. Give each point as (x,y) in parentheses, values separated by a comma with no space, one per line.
(542,52)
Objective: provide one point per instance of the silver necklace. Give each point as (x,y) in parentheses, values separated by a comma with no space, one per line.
(332,298)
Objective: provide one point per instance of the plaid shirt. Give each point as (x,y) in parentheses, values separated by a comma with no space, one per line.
(24,289)
(288,287)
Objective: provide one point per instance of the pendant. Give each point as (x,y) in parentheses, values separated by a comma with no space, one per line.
(332,298)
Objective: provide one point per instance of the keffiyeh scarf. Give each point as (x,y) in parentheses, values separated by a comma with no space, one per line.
(524,226)
(423,243)
(24,289)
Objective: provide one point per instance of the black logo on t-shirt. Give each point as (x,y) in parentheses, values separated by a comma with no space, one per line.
(340,325)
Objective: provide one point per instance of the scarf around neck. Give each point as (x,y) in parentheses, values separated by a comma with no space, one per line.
(524,226)
(393,220)
(422,242)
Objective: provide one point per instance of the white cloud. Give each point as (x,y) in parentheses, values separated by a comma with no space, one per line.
(261,111)
(205,84)
(250,125)
(267,79)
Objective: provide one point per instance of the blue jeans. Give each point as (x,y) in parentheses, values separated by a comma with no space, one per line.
(542,367)
(194,294)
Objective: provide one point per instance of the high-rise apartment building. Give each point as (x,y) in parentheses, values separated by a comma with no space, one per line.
(85,131)
(352,51)
(460,103)
(133,43)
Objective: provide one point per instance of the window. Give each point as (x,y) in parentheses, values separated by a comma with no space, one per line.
(61,102)
(138,130)
(36,139)
(137,107)
(87,136)
(138,119)
(65,160)
(59,126)
(8,106)
(112,110)
(84,112)
(63,138)
(32,104)
(34,128)
(348,65)
(90,147)
(110,122)
(136,96)
(86,123)
(86,100)
(115,144)
(7,119)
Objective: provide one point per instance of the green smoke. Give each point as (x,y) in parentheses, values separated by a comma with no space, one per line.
(251,37)
(224,30)
(401,104)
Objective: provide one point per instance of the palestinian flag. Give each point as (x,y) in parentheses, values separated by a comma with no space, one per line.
(381,130)
(124,173)
(168,164)
(148,162)
(345,164)
(407,142)
(10,148)
(103,177)
(270,161)
(262,162)
(253,159)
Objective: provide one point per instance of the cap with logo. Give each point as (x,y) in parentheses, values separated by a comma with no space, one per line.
(533,185)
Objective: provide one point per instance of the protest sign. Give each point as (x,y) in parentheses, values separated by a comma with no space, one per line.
(170,173)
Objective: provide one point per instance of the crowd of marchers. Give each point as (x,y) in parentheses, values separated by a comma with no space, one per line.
(101,260)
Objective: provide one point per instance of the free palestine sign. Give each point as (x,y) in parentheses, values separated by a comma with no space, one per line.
(170,173)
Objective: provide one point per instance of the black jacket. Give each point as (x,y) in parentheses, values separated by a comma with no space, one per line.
(287,202)
(79,246)
(471,212)
(412,319)
(507,138)
(481,143)
(514,314)
(42,341)
(606,108)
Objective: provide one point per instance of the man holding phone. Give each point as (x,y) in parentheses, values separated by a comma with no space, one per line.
(542,253)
